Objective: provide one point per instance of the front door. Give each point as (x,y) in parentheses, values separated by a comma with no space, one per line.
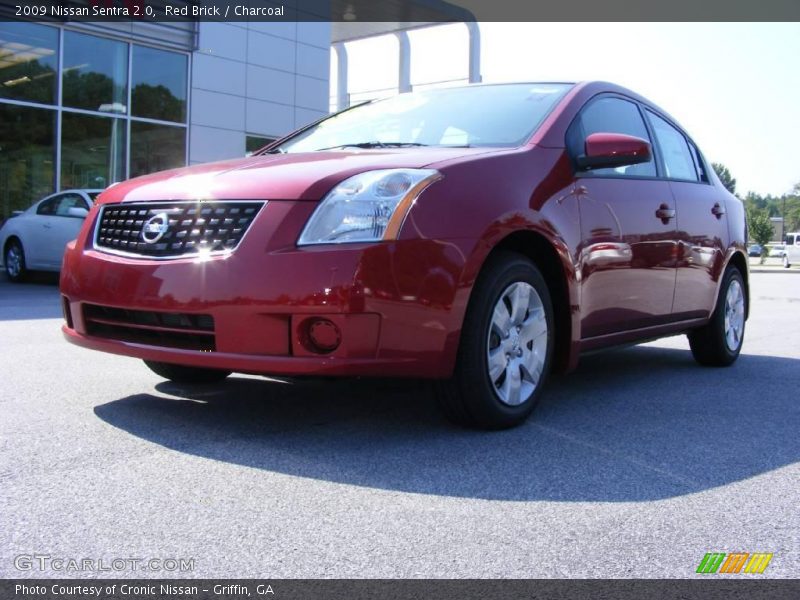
(628,235)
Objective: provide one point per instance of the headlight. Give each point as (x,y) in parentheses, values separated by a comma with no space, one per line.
(368,207)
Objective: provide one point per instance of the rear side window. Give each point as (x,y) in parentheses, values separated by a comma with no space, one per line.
(699,165)
(611,115)
(678,159)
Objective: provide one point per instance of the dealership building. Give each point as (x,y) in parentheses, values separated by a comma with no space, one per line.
(83,105)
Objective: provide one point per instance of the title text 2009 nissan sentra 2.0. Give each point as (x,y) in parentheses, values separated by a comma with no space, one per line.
(482,236)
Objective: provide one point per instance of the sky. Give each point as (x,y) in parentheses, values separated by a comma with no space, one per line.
(734,87)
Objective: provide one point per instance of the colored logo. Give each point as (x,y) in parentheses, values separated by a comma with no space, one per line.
(735,562)
(155,227)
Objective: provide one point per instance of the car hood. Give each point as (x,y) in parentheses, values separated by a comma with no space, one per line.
(301,176)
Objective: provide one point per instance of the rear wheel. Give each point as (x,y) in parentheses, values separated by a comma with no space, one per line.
(184,374)
(718,343)
(14,260)
(506,347)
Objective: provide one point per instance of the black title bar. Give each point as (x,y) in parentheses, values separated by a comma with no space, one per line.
(401,11)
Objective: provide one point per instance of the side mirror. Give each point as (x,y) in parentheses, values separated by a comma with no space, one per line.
(78,212)
(609,150)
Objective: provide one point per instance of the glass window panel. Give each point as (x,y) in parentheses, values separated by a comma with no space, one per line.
(68,202)
(159,84)
(676,154)
(156,148)
(28,62)
(27,137)
(698,163)
(613,115)
(95,73)
(92,151)
(256,142)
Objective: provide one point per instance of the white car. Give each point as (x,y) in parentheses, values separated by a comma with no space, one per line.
(791,249)
(34,239)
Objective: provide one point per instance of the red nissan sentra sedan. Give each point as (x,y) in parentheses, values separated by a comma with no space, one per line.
(482,236)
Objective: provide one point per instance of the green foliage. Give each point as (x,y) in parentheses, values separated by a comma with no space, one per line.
(759,225)
(776,205)
(728,180)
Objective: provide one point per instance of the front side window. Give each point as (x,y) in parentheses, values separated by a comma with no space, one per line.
(611,115)
(678,160)
(49,207)
(68,201)
(481,116)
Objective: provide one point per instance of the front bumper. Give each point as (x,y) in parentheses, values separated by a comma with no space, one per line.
(397,305)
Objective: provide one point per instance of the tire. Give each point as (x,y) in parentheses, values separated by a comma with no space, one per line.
(184,374)
(718,343)
(14,261)
(786,263)
(508,324)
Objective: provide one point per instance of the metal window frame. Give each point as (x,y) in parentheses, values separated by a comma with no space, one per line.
(60,109)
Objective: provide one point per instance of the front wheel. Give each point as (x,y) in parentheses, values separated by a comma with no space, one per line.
(718,343)
(184,374)
(506,347)
(15,262)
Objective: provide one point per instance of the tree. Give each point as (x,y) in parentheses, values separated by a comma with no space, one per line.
(725,177)
(760,228)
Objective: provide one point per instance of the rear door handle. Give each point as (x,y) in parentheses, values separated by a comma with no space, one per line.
(718,210)
(47,226)
(665,213)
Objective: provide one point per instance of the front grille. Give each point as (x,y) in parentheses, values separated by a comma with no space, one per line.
(173,229)
(172,330)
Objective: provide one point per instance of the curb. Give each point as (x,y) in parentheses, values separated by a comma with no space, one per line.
(780,270)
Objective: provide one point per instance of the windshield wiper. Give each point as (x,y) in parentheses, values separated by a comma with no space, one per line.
(373,145)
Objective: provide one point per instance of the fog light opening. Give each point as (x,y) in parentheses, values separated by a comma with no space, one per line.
(65,309)
(323,336)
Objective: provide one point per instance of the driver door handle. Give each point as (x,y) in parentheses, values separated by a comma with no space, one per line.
(665,213)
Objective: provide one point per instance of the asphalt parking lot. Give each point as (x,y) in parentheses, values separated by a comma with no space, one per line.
(636,465)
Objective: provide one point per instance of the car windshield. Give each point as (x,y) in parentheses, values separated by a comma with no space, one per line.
(480,116)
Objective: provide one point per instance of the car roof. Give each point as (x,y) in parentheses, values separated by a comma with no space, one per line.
(72,191)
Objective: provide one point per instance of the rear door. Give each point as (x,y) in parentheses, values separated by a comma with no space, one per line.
(702,226)
(628,235)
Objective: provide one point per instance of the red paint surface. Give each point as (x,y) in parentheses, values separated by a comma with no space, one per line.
(399,305)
